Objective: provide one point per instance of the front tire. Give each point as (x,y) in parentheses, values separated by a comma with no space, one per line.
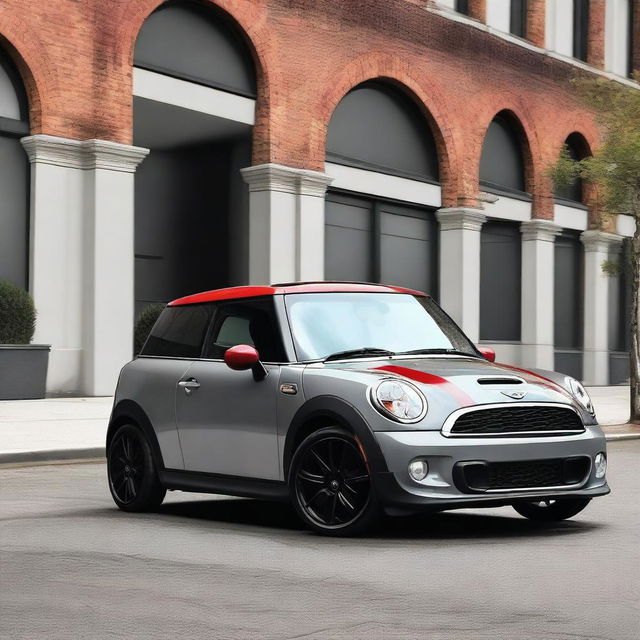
(133,478)
(551,510)
(330,484)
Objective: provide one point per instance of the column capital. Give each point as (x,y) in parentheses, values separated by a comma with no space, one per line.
(599,241)
(83,154)
(278,177)
(460,218)
(539,230)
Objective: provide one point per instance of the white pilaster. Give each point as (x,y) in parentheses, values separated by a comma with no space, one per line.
(460,266)
(538,238)
(286,223)
(81,258)
(596,310)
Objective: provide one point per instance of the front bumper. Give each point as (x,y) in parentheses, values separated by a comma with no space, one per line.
(399,493)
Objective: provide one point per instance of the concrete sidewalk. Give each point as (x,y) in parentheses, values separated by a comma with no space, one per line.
(59,429)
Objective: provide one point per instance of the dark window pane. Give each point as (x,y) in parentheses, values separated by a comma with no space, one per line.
(632,17)
(179,332)
(501,162)
(462,6)
(580,28)
(251,322)
(500,281)
(568,292)
(348,245)
(518,22)
(196,44)
(13,99)
(408,248)
(572,192)
(379,128)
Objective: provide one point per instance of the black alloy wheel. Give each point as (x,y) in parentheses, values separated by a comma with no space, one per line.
(550,510)
(133,480)
(331,485)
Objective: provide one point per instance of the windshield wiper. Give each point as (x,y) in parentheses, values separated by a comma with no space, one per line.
(354,353)
(418,352)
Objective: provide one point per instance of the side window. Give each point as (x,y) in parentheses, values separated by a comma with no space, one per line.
(179,332)
(252,322)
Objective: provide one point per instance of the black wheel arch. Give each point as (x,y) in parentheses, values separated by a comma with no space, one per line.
(323,411)
(130,412)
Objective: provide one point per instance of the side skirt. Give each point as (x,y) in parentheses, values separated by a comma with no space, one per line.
(199,482)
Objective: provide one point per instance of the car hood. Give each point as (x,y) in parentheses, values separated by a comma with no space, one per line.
(454,382)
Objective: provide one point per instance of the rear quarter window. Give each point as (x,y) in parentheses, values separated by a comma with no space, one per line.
(179,332)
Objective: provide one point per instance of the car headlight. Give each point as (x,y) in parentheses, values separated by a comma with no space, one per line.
(399,400)
(581,395)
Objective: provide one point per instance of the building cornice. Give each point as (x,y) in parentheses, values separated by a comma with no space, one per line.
(600,241)
(461,218)
(539,230)
(83,154)
(277,177)
(450,14)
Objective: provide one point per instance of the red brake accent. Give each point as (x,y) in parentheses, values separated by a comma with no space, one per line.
(488,353)
(428,378)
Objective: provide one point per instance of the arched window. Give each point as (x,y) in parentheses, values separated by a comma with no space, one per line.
(195,43)
(501,162)
(377,127)
(14,176)
(578,149)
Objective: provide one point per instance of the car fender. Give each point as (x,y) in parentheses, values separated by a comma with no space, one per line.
(344,414)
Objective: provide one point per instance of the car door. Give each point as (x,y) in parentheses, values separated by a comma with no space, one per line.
(226,419)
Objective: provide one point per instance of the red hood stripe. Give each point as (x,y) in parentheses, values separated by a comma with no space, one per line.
(428,378)
(550,384)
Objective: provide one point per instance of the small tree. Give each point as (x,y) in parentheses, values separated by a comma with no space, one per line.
(614,171)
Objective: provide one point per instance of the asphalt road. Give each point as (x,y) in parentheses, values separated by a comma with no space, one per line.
(73,566)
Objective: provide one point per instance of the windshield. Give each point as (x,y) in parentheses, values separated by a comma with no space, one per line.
(325,324)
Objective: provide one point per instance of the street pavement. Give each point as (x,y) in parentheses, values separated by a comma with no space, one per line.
(73,566)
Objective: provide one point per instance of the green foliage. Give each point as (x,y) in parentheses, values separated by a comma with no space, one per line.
(615,166)
(17,315)
(611,268)
(144,323)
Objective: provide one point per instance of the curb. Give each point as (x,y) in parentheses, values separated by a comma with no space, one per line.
(53,456)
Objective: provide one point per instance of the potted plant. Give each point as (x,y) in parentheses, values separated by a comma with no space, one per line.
(23,366)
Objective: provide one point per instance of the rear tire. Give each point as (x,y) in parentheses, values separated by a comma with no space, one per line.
(551,510)
(133,478)
(330,484)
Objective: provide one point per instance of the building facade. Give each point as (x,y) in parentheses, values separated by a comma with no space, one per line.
(153,149)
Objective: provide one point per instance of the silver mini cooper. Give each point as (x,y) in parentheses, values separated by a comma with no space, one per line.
(348,400)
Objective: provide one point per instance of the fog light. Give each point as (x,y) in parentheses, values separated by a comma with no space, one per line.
(600,464)
(418,469)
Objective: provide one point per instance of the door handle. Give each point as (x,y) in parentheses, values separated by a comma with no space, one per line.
(189,385)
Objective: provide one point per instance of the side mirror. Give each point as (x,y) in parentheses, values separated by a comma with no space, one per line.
(243,357)
(487,353)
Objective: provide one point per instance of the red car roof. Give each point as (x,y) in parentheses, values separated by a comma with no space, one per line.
(234,293)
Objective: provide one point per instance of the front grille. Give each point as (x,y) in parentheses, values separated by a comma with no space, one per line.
(517,420)
(481,476)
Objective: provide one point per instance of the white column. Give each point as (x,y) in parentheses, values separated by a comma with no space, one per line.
(559,26)
(538,238)
(616,30)
(460,266)
(499,14)
(81,258)
(596,306)
(286,223)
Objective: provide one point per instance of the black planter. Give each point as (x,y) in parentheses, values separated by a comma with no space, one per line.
(23,371)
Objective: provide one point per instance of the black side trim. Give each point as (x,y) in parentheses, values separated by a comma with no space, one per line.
(200,482)
(344,414)
(130,411)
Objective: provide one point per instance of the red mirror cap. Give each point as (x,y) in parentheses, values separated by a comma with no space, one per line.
(488,353)
(241,357)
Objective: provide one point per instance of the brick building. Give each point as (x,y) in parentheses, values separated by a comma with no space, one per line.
(149,149)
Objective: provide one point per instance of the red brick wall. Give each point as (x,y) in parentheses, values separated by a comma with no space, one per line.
(76,60)
(595,46)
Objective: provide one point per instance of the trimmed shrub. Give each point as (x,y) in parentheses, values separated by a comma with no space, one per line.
(144,323)
(17,314)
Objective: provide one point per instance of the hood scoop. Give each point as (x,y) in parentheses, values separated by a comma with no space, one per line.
(500,380)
